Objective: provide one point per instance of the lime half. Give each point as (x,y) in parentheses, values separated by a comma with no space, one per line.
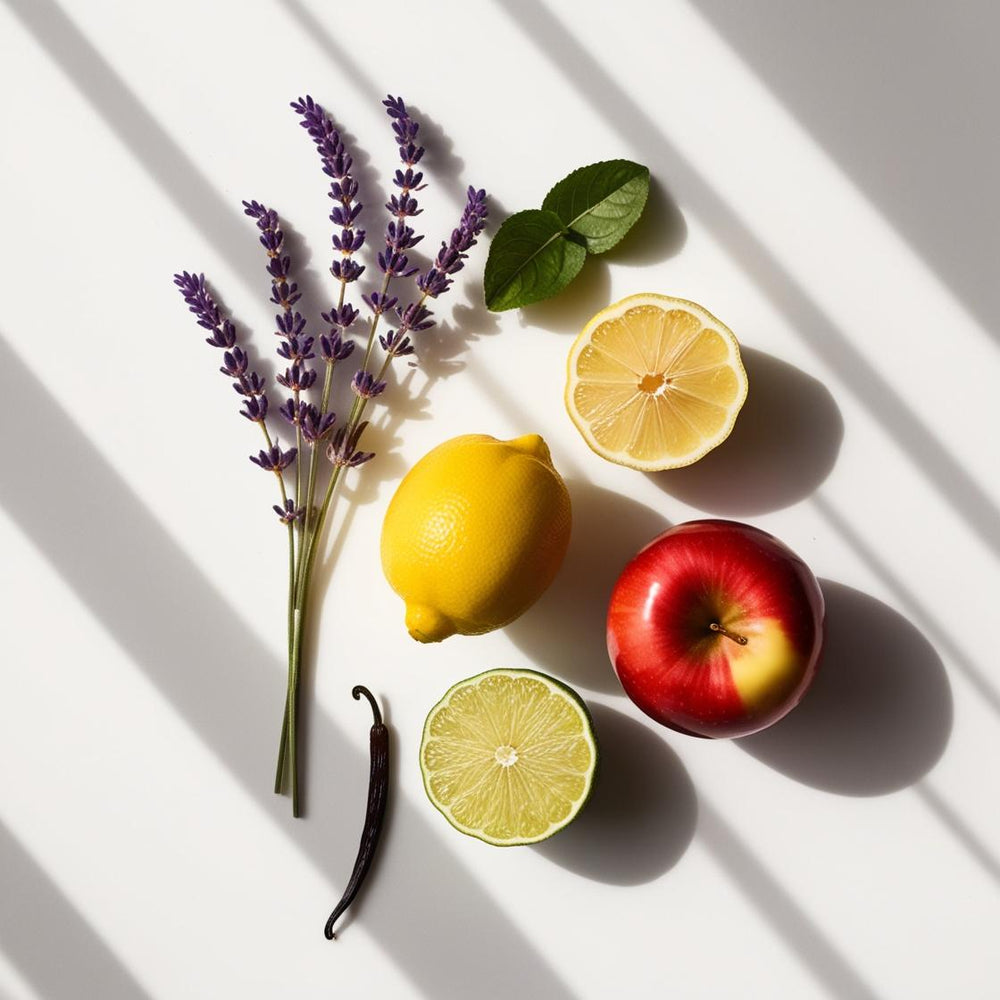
(509,756)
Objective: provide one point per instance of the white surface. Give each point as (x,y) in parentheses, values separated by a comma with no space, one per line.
(824,182)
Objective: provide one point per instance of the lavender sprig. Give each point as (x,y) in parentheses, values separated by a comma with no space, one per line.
(236,362)
(296,346)
(337,163)
(451,257)
(400,237)
(316,427)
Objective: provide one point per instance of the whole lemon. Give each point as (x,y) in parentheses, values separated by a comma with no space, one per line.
(474,534)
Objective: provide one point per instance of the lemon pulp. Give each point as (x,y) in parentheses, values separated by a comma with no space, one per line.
(508,756)
(654,382)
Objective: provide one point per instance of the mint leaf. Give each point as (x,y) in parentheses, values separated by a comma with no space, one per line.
(530,259)
(601,202)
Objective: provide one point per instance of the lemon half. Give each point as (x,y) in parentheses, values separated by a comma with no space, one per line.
(654,382)
(509,756)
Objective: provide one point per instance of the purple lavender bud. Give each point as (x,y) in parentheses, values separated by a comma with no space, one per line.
(316,427)
(255,408)
(415,317)
(250,385)
(379,303)
(346,270)
(343,450)
(334,347)
(235,363)
(396,344)
(399,236)
(297,378)
(348,241)
(274,459)
(294,413)
(290,324)
(289,513)
(402,205)
(342,317)
(433,283)
(285,295)
(297,349)
(394,263)
(410,181)
(366,385)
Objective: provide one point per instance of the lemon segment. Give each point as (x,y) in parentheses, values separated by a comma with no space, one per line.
(654,382)
(509,756)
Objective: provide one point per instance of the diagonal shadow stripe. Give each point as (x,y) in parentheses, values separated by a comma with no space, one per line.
(976,677)
(779,910)
(959,829)
(555,42)
(188,189)
(48,940)
(828,66)
(192,645)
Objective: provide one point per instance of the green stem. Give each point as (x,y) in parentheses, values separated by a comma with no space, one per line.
(280,772)
(298,454)
(292,714)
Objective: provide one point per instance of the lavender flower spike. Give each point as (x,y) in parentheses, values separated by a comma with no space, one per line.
(337,163)
(399,237)
(451,257)
(236,362)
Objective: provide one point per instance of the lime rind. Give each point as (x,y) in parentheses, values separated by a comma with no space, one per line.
(555,686)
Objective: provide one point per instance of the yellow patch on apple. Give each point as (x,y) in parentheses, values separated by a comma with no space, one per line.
(767,668)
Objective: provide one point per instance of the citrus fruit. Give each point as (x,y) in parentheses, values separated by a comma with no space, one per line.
(474,534)
(654,382)
(509,756)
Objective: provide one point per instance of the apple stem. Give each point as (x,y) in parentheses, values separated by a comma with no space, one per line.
(716,627)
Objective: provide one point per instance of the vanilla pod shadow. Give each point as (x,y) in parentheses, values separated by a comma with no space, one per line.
(565,631)
(879,713)
(783,445)
(639,820)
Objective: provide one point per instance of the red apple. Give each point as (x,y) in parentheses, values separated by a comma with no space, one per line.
(715,628)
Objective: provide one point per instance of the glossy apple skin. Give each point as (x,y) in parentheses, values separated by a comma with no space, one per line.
(697,681)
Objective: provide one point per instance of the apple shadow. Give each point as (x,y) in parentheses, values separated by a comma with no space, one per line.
(783,445)
(639,820)
(879,713)
(565,630)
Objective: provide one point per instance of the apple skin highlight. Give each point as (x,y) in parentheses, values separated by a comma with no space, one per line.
(667,604)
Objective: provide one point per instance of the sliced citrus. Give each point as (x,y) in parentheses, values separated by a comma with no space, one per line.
(654,382)
(509,756)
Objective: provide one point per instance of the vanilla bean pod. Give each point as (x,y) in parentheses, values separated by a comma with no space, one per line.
(378,788)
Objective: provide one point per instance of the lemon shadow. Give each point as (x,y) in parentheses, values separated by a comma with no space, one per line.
(783,446)
(565,631)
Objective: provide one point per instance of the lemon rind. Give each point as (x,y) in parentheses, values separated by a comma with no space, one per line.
(614,311)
